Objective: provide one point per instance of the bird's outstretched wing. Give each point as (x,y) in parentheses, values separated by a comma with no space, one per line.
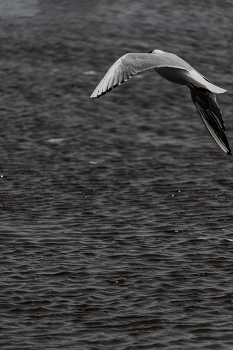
(132,63)
(206,105)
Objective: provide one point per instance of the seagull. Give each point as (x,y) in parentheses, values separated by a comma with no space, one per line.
(176,70)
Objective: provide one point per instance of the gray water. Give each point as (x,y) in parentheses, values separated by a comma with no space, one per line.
(116,222)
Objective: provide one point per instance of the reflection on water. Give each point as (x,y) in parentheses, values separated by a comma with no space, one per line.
(18,8)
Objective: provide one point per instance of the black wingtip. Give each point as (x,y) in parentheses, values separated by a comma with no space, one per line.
(229,153)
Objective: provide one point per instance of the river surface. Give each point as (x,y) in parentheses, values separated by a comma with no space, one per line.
(116,218)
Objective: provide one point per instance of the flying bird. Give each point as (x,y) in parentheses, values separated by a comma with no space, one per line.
(176,70)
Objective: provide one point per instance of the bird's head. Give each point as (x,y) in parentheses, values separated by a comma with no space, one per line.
(155,51)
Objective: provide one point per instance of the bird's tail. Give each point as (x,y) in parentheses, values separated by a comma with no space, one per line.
(213,88)
(205,83)
(206,105)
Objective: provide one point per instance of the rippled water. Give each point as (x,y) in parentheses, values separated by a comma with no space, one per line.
(116,213)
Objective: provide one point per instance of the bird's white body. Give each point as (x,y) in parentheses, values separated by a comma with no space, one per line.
(175,75)
(176,70)
(189,78)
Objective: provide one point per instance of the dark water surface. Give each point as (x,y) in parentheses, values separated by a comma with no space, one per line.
(115,214)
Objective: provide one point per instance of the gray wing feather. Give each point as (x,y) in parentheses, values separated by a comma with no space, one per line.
(206,105)
(132,63)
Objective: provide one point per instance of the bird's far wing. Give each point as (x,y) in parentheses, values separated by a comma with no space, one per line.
(132,63)
(206,105)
